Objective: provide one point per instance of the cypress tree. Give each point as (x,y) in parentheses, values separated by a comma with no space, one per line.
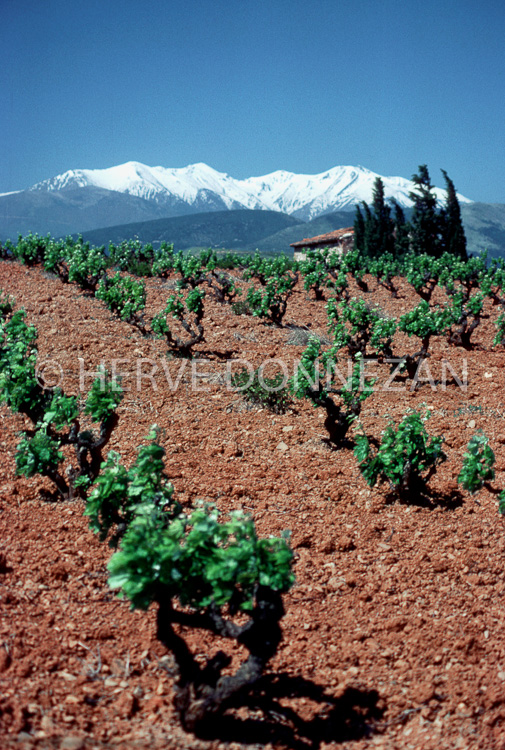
(382,227)
(401,231)
(369,230)
(373,226)
(453,233)
(425,224)
(359,231)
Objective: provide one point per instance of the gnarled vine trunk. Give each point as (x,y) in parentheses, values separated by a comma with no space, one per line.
(203,692)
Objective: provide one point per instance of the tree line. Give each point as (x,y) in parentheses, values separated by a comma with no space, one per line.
(382,227)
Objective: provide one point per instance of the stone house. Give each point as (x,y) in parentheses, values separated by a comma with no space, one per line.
(340,241)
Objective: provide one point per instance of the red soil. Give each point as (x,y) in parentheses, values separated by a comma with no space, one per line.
(393,631)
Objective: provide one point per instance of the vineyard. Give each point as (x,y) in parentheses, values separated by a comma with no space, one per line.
(292,473)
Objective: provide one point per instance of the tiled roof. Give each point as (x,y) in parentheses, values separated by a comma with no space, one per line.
(330,237)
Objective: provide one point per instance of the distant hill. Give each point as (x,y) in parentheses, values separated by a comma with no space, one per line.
(484,225)
(273,232)
(74,210)
(485,228)
(218,229)
(281,240)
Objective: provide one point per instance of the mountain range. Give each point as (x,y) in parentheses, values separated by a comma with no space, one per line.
(85,200)
(201,187)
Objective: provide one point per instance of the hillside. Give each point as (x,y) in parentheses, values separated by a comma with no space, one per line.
(74,210)
(484,225)
(485,228)
(280,241)
(273,232)
(393,634)
(225,229)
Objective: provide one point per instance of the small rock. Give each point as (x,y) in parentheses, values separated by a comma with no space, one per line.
(104,633)
(336,583)
(327,547)
(345,544)
(288,428)
(154,704)
(232,450)
(47,724)
(5,660)
(471,424)
(126,705)
(67,676)
(282,447)
(4,567)
(73,743)
(424,693)
(384,547)
(24,667)
(305,541)
(395,624)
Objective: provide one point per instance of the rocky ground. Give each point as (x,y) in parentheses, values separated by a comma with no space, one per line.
(394,631)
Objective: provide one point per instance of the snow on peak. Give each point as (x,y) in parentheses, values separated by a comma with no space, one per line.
(338,188)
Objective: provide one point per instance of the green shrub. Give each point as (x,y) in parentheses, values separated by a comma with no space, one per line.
(117,493)
(37,455)
(464,318)
(51,412)
(230,260)
(19,386)
(385,268)
(270,393)
(133,257)
(355,324)
(86,265)
(422,272)
(270,301)
(478,464)
(313,380)
(315,273)
(124,296)
(406,457)
(164,261)
(6,305)
(192,271)
(31,249)
(212,570)
(188,311)
(103,398)
(241,307)
(499,339)
(224,286)
(423,322)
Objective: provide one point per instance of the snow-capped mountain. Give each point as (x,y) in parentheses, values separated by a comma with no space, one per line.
(201,187)
(194,184)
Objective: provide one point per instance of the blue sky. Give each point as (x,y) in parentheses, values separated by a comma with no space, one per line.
(251,86)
